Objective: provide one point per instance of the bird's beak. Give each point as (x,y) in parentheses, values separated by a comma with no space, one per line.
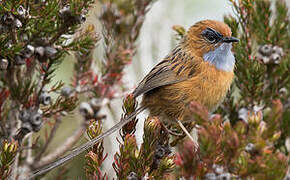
(230,39)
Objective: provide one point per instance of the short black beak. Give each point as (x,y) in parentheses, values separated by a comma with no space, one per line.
(230,39)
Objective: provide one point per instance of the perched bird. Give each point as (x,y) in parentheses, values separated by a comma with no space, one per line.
(200,68)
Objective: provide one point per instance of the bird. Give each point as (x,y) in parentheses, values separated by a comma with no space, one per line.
(200,68)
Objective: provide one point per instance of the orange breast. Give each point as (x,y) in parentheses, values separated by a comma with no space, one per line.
(209,87)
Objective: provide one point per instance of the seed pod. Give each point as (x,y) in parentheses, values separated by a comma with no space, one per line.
(266,60)
(65,13)
(161,151)
(24,115)
(36,121)
(278,50)
(243,114)
(82,18)
(210,176)
(21,11)
(266,49)
(86,110)
(17,23)
(283,92)
(224,176)
(44,98)
(39,53)
(275,58)
(3,64)
(96,104)
(28,51)
(19,60)
(250,148)
(218,169)
(50,52)
(8,19)
(26,126)
(66,91)
(132,176)
(43,41)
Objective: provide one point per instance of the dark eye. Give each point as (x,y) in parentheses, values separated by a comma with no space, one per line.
(211,35)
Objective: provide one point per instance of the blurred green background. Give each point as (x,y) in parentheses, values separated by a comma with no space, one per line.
(156,39)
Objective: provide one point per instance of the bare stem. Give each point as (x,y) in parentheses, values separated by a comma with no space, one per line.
(51,136)
(61,150)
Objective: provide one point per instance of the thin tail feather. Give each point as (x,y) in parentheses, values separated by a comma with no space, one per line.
(86,146)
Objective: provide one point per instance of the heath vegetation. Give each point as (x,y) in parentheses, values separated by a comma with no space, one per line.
(247,138)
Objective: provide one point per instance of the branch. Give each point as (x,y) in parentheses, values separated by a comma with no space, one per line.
(66,146)
(51,136)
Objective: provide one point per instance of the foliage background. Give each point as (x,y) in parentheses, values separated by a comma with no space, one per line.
(156,40)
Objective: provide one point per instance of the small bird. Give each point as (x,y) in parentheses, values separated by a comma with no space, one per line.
(200,68)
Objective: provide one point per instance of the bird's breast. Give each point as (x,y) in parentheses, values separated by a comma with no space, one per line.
(209,86)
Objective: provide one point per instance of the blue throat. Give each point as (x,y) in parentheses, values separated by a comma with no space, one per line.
(222,57)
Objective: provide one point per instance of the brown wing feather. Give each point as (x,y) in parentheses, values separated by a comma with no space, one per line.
(168,71)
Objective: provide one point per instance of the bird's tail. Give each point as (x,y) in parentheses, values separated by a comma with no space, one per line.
(86,146)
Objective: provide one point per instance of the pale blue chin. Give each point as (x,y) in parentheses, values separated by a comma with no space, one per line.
(222,57)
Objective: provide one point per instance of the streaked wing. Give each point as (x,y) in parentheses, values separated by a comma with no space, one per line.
(176,67)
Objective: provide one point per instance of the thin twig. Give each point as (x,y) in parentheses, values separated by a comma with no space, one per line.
(29,158)
(61,150)
(51,136)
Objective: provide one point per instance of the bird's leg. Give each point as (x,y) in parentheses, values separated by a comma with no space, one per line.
(169,131)
(187,133)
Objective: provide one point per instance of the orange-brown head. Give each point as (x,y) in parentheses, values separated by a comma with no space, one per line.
(212,40)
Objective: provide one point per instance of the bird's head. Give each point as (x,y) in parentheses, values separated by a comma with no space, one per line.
(212,41)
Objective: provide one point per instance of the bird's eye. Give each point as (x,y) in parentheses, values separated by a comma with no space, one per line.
(211,35)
